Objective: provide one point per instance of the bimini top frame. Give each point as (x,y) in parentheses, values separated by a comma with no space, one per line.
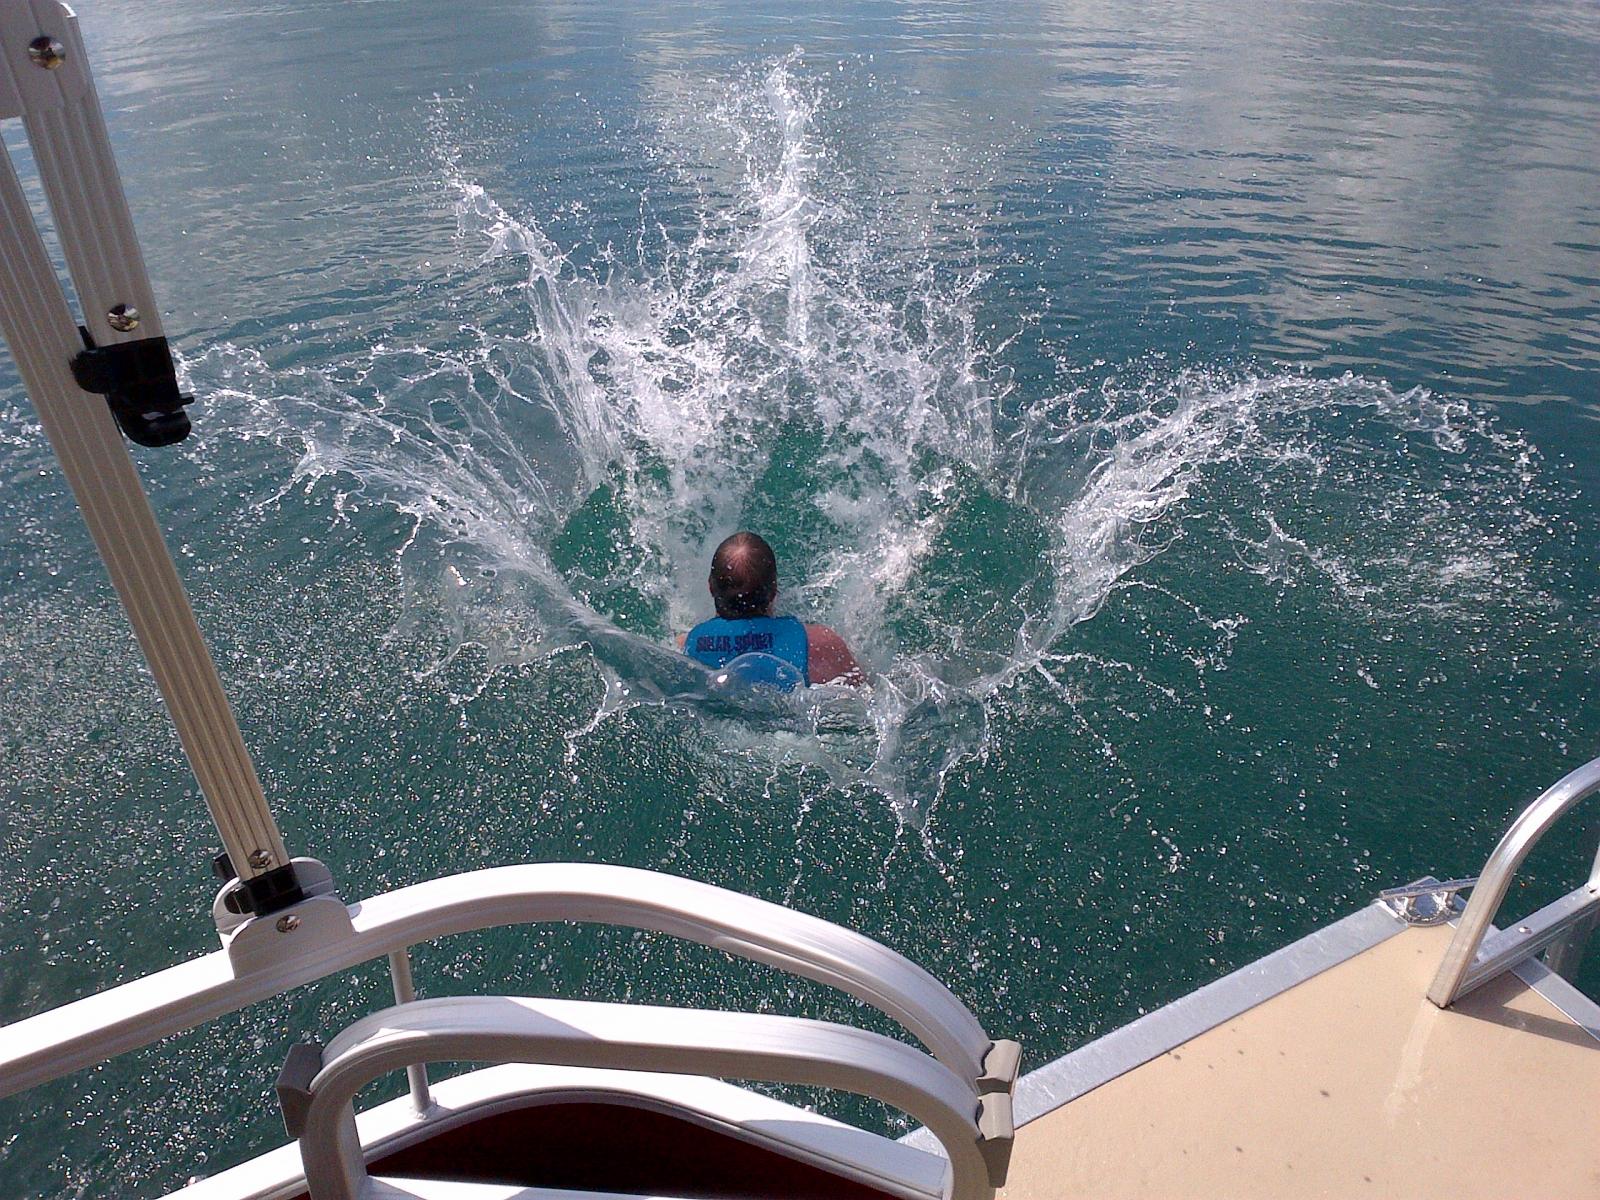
(118,351)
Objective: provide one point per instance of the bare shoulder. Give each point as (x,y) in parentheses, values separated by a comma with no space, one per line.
(821,637)
(831,660)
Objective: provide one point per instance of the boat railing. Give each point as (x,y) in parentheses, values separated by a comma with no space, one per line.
(1479,952)
(317,1086)
(321,936)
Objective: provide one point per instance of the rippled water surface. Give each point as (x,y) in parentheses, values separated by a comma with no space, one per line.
(1190,417)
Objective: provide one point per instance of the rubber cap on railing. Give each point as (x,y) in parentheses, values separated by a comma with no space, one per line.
(1001,1063)
(294,1085)
(995,1135)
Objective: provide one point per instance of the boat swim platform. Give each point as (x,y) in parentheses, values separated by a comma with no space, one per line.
(1324,1070)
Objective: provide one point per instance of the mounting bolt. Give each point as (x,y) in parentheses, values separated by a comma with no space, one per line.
(46,52)
(260,860)
(124,318)
(288,924)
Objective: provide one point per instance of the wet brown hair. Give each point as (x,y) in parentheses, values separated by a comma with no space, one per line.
(744,577)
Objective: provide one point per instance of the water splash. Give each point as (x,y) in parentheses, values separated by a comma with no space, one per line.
(779,364)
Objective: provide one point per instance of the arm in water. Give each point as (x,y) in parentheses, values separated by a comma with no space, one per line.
(831,660)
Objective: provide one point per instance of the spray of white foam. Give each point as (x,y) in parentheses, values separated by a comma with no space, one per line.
(776,362)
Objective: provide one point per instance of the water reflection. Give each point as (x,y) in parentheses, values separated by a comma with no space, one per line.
(1405,190)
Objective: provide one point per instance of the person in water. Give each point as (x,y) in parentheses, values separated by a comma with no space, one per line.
(746,634)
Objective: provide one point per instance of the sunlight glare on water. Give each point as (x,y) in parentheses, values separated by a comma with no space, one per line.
(1200,459)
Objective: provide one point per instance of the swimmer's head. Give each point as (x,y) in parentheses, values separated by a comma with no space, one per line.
(744,577)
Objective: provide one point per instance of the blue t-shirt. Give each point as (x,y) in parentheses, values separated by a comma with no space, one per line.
(748,648)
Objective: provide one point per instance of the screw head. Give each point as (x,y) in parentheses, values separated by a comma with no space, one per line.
(259,859)
(124,318)
(288,924)
(46,52)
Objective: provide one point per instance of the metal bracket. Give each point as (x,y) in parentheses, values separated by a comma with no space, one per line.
(140,385)
(313,919)
(240,900)
(311,928)
(1427,901)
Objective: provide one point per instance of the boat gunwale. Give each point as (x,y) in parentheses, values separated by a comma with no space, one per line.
(1128,1047)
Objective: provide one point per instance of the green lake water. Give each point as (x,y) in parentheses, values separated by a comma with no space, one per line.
(1191,415)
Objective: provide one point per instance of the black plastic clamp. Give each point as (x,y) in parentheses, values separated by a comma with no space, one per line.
(140,385)
(270,891)
(275,889)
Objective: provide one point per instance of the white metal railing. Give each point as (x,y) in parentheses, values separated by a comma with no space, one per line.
(1475,955)
(317,1089)
(405,991)
(320,937)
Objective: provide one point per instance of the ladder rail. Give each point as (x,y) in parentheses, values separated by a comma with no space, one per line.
(1468,963)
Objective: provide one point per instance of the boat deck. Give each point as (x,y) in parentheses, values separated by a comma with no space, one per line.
(1347,1084)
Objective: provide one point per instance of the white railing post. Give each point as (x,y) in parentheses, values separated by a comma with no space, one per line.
(405,991)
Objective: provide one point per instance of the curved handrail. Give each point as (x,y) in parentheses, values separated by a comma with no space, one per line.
(143,1011)
(1495,879)
(712,916)
(578,1033)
